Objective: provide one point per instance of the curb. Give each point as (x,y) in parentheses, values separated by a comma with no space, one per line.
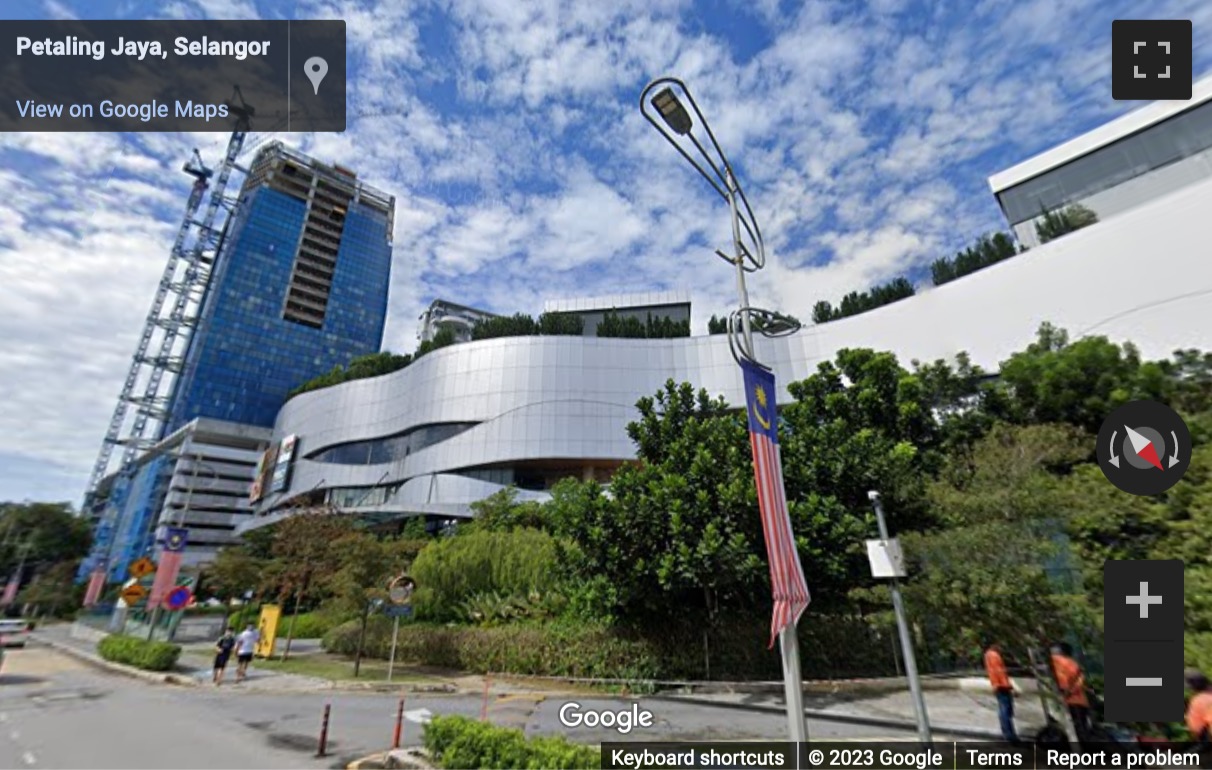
(97,661)
(833,716)
(824,686)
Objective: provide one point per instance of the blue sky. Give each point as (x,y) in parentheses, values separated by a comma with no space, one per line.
(508,131)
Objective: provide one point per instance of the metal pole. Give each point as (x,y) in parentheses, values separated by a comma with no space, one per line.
(902,624)
(789,645)
(395,634)
(396,736)
(322,750)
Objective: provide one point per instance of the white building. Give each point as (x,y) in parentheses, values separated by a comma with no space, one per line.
(1141,156)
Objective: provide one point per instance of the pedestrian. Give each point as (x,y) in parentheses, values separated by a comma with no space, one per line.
(1199,709)
(246,645)
(1072,685)
(999,679)
(223,650)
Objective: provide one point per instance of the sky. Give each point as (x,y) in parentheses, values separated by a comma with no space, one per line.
(509,132)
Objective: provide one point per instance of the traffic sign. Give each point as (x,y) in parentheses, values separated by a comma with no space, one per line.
(400,589)
(178,598)
(133,594)
(398,610)
(141,568)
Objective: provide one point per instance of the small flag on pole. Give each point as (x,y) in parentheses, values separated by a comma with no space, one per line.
(10,590)
(96,584)
(786,575)
(170,565)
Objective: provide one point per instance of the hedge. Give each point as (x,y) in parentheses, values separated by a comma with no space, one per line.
(140,653)
(459,742)
(309,625)
(738,650)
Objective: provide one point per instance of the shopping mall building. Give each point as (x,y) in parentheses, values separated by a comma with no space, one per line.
(473,418)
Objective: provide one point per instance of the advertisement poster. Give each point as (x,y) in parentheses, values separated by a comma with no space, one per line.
(264,469)
(268,626)
(286,456)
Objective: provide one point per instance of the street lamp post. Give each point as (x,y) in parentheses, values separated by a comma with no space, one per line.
(748,255)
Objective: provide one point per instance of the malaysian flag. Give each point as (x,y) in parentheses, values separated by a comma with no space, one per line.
(10,590)
(169,566)
(786,575)
(96,584)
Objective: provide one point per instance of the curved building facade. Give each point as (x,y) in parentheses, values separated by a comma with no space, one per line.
(466,420)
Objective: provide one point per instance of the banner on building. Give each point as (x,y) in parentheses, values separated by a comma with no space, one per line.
(265,469)
(169,567)
(268,626)
(282,467)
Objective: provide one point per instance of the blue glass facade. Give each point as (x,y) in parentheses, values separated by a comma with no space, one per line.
(245,356)
(135,526)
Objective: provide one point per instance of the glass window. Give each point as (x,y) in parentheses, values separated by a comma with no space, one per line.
(1172,140)
(392,448)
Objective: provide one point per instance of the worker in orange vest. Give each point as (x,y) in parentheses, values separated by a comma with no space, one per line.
(999,679)
(1199,708)
(1072,685)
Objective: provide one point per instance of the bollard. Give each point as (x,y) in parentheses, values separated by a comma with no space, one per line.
(323,749)
(397,736)
(484,704)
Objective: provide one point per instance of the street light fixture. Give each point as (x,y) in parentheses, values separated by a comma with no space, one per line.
(672,111)
(749,255)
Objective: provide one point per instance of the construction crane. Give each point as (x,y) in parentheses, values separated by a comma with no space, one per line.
(180,291)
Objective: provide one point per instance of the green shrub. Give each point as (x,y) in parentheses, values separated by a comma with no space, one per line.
(459,742)
(140,653)
(451,571)
(737,649)
(309,625)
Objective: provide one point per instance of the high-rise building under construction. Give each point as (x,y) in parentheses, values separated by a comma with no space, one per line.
(298,284)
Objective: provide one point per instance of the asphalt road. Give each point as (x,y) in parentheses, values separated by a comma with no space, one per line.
(56,712)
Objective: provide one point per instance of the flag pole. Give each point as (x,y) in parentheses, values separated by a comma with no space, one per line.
(789,646)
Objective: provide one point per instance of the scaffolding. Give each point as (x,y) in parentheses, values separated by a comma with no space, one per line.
(167,331)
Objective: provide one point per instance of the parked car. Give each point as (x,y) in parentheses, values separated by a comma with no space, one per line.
(14,632)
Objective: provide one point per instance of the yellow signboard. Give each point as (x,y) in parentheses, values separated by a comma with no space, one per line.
(268,626)
(142,568)
(133,594)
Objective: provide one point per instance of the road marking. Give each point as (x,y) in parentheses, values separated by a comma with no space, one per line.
(28,758)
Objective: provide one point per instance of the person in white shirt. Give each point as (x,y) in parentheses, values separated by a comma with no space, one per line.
(246,645)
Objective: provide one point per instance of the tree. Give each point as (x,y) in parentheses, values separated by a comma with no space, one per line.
(678,534)
(988,250)
(366,566)
(1054,224)
(861,423)
(1055,380)
(44,533)
(860,302)
(716,325)
(501,511)
(54,591)
(823,312)
(303,549)
(999,565)
(234,571)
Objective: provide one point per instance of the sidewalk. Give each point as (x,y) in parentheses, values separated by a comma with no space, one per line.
(193,667)
(965,712)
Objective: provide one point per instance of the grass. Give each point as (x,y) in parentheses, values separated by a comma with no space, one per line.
(339,668)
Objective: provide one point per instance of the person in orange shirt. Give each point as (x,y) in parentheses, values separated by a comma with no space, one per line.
(999,679)
(1072,685)
(1199,708)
